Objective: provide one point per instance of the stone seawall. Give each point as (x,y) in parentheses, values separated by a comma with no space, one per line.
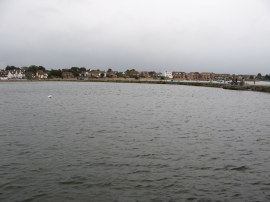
(248,87)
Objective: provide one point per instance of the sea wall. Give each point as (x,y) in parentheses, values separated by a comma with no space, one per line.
(248,87)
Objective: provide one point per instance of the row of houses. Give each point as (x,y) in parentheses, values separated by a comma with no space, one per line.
(12,74)
(202,76)
(110,73)
(207,76)
(20,74)
(96,73)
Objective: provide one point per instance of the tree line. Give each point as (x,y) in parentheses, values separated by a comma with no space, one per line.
(31,71)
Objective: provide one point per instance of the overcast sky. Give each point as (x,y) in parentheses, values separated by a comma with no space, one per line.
(176,35)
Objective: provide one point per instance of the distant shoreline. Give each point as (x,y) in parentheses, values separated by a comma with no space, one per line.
(257,88)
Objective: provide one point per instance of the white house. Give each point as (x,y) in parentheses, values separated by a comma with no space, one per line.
(167,75)
(16,74)
(11,74)
(20,74)
(87,73)
(41,74)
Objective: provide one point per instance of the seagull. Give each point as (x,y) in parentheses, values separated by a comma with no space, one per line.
(49,96)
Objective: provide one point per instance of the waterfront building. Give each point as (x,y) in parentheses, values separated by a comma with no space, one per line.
(97,73)
(193,76)
(179,75)
(16,74)
(222,76)
(67,75)
(111,74)
(3,75)
(152,74)
(167,74)
(120,74)
(145,74)
(132,73)
(41,74)
(207,76)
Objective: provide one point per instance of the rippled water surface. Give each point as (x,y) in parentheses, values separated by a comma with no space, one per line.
(132,142)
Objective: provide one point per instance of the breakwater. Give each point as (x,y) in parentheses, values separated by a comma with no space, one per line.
(205,84)
(248,87)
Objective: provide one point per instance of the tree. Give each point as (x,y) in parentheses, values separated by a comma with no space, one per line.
(267,77)
(28,75)
(55,73)
(259,76)
(35,68)
(82,69)
(9,68)
(24,68)
(32,70)
(128,72)
(41,68)
(74,69)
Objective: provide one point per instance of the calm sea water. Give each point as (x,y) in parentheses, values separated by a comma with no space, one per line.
(132,142)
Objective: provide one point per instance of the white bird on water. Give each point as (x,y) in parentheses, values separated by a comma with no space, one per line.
(49,96)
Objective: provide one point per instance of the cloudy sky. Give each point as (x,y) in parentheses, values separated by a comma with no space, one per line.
(176,35)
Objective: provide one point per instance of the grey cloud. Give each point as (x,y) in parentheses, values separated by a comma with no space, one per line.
(210,35)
